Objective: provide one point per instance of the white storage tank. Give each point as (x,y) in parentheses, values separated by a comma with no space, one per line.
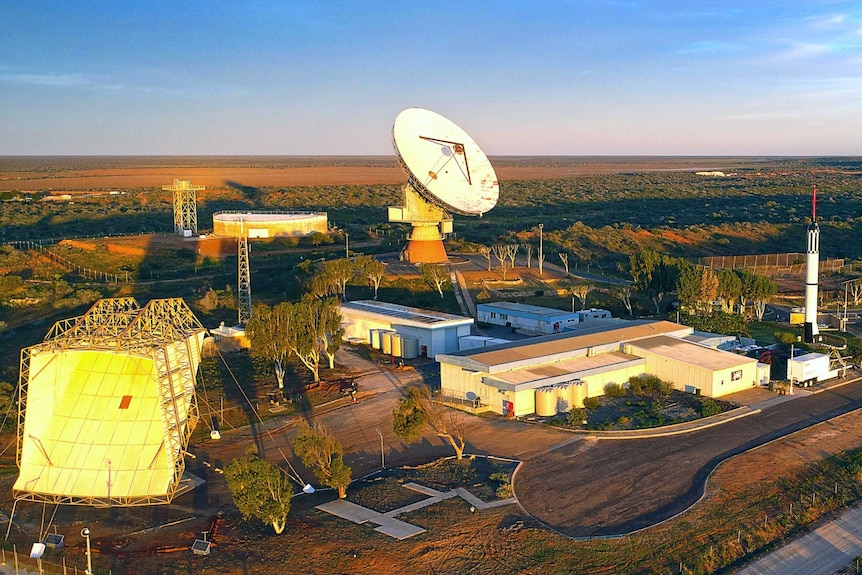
(546,401)
(579,393)
(410,346)
(386,342)
(374,337)
(565,397)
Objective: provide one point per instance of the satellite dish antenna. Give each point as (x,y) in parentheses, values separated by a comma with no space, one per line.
(447,173)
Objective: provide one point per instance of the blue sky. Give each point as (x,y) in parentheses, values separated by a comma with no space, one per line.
(581,77)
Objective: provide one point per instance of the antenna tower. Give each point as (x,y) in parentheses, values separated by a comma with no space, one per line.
(185,207)
(244,282)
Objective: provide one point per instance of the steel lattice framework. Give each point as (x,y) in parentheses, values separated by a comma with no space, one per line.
(161,342)
(244,282)
(185,206)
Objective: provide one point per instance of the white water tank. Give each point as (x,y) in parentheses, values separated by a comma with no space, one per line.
(397,345)
(565,397)
(546,401)
(386,342)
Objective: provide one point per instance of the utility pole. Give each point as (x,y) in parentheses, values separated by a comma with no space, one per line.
(541,253)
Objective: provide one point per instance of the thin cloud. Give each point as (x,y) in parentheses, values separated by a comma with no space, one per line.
(58,80)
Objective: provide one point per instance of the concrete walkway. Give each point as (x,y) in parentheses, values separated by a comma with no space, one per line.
(396,528)
(828,549)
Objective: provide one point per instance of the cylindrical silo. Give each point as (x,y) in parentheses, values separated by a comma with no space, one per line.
(397,345)
(410,345)
(565,397)
(546,402)
(374,338)
(579,393)
(386,342)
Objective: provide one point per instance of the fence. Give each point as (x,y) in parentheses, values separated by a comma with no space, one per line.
(791,263)
(84,272)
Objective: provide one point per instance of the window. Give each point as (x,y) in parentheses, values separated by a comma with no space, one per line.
(736,375)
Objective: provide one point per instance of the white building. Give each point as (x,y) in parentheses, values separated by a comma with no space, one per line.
(515,378)
(437,332)
(535,319)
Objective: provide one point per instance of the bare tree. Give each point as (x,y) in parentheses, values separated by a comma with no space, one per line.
(511,252)
(528,249)
(564,257)
(374,270)
(501,253)
(419,411)
(624,293)
(856,291)
(435,275)
(580,291)
(486,251)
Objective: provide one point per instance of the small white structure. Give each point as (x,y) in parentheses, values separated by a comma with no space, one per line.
(474,341)
(809,368)
(437,332)
(528,318)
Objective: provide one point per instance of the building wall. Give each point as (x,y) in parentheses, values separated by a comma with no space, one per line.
(443,339)
(688,377)
(292,227)
(528,322)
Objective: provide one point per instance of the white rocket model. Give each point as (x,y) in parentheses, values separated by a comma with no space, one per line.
(812,267)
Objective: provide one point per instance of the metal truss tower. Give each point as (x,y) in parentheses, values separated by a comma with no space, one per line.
(185,207)
(244,281)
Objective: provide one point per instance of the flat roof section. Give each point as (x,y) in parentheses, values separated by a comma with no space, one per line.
(424,317)
(692,353)
(562,372)
(526,309)
(522,354)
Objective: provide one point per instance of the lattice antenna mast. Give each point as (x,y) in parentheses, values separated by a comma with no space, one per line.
(185,207)
(244,281)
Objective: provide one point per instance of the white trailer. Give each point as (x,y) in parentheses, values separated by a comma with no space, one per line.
(809,368)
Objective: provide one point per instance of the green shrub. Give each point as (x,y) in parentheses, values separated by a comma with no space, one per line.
(649,385)
(592,402)
(576,416)
(709,407)
(614,390)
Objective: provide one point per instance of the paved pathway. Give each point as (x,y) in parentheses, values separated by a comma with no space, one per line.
(824,551)
(401,529)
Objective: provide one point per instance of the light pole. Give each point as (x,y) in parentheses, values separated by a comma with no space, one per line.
(85,533)
(346,245)
(382,460)
(541,253)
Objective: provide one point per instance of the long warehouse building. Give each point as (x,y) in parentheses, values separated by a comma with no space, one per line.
(515,378)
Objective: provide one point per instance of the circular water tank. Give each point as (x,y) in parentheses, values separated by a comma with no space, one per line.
(565,397)
(546,402)
(579,393)
(397,345)
(374,337)
(410,346)
(386,342)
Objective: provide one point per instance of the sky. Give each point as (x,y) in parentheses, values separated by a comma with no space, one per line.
(327,77)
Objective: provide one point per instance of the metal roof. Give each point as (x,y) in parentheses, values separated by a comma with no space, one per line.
(404,313)
(557,347)
(692,353)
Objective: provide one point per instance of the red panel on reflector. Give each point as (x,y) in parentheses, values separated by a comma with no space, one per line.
(124,403)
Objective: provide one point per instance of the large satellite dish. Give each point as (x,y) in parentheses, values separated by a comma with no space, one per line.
(447,172)
(443,163)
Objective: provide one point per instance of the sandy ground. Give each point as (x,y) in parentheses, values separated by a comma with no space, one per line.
(86,174)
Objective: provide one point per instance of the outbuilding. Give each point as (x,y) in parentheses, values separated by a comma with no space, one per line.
(527,318)
(437,332)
